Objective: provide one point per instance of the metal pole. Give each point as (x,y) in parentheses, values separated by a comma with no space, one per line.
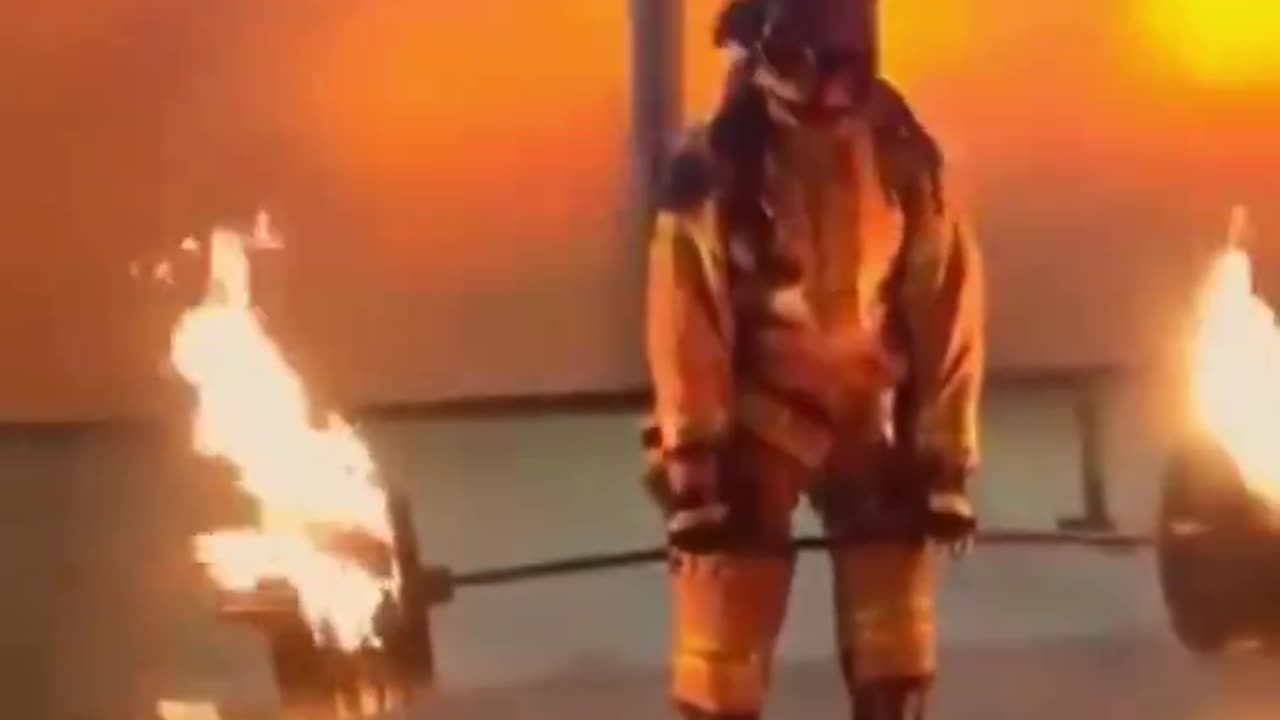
(652,555)
(656,92)
(1090,413)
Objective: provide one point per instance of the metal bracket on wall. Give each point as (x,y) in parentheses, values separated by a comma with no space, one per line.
(1090,413)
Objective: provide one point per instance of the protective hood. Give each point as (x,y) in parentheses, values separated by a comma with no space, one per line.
(823,26)
(797,44)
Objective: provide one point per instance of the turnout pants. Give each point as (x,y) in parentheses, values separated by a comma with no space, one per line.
(729,605)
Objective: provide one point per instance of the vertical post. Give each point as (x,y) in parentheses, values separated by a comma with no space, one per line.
(656,91)
(871,17)
(416,651)
(1090,427)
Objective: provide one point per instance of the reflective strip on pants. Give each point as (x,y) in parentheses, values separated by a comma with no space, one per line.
(728,611)
(885,610)
(720,684)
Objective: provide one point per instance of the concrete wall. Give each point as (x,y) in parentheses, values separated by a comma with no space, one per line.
(456,184)
(105,613)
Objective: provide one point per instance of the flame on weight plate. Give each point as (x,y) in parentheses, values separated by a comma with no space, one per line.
(252,410)
(1235,365)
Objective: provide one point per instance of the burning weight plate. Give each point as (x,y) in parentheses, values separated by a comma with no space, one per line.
(1216,551)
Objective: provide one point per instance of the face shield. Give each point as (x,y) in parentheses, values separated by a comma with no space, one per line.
(818,53)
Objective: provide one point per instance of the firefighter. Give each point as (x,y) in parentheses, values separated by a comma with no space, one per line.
(814,329)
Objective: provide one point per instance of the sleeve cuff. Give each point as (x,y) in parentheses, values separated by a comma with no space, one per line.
(953,440)
(680,435)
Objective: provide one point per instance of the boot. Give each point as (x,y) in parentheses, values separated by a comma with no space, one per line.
(895,699)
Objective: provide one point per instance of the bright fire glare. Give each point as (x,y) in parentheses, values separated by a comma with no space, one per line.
(252,410)
(1221,42)
(1235,370)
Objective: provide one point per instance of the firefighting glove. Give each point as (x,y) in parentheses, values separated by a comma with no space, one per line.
(699,517)
(686,486)
(950,519)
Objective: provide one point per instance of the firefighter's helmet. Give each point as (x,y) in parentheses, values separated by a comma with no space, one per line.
(820,25)
(797,41)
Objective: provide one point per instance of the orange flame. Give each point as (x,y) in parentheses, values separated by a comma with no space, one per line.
(252,410)
(1235,367)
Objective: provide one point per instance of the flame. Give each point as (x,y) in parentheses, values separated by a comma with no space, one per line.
(1235,367)
(252,410)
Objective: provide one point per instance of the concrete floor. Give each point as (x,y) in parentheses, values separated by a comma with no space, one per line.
(1101,678)
(104,612)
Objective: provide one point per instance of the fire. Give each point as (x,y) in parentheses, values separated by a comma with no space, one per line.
(1235,367)
(253,411)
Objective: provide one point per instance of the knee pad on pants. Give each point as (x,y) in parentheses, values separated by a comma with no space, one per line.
(728,610)
(885,611)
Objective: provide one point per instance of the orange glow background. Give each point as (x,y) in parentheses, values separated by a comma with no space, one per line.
(452,179)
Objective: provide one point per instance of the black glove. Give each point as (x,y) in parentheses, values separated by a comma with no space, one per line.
(699,517)
(685,484)
(950,518)
(686,487)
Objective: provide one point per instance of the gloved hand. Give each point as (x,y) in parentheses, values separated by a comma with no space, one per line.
(686,486)
(950,519)
(698,519)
